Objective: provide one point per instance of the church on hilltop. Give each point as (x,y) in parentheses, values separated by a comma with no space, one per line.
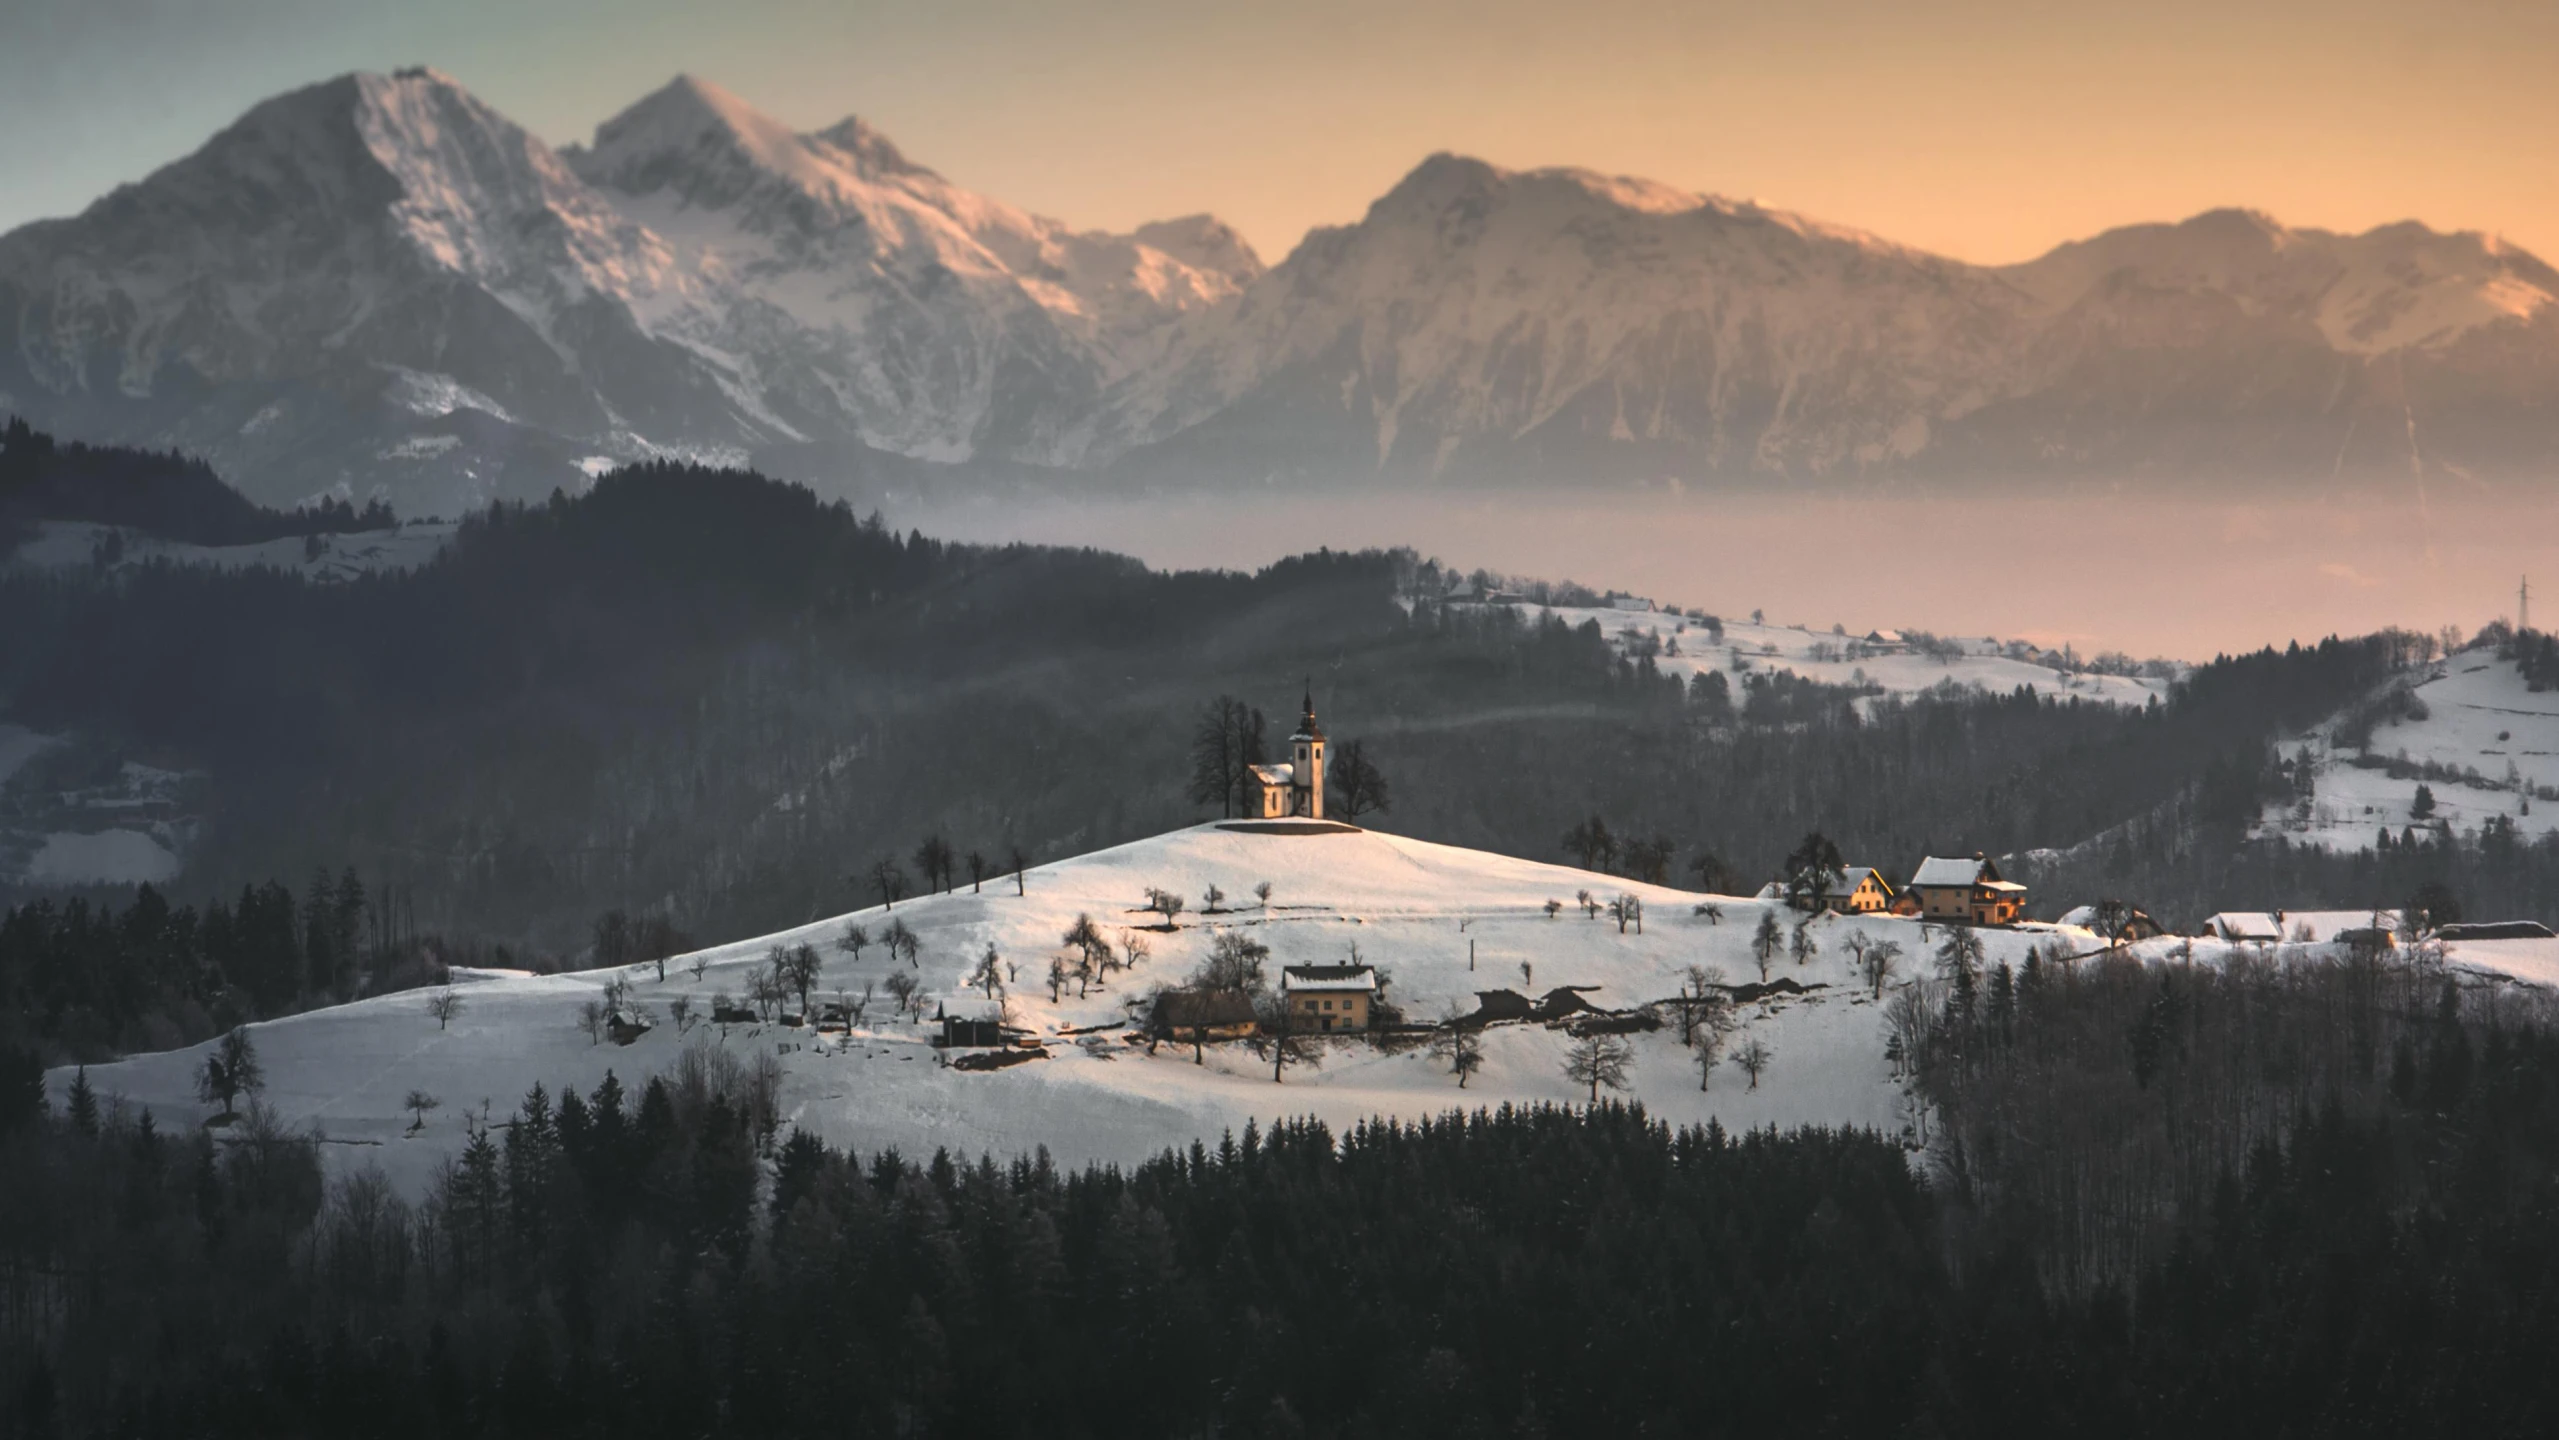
(1296,789)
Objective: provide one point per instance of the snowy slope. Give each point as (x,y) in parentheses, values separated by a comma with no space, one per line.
(379,282)
(839,282)
(1561,325)
(1567,312)
(74,544)
(2479,719)
(1410,907)
(1681,647)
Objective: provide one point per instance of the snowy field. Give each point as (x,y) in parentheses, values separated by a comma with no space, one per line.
(1411,908)
(2479,717)
(70,544)
(1686,648)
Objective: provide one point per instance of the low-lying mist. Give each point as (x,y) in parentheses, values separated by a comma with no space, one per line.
(2184,576)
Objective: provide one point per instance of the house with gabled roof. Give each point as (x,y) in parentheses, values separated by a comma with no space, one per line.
(1328,997)
(1969,891)
(1857,890)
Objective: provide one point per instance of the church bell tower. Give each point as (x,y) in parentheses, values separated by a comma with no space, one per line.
(1306,763)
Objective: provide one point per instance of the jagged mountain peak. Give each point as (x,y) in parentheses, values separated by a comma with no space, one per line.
(2397,286)
(873,151)
(1203,242)
(1447,184)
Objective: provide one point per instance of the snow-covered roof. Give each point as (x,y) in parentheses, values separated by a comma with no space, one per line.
(2323,925)
(1948,870)
(2004,887)
(1275,774)
(1854,876)
(1329,979)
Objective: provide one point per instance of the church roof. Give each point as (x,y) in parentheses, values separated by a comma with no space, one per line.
(1275,774)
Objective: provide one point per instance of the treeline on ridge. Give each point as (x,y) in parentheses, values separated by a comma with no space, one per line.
(172,496)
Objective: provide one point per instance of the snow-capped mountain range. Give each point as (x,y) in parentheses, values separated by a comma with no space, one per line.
(381,284)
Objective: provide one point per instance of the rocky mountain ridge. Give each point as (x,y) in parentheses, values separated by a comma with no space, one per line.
(380,286)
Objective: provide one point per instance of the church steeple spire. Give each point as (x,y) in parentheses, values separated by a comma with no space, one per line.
(1307,729)
(1306,762)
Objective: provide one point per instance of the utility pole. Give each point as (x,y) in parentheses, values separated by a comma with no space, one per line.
(2523,605)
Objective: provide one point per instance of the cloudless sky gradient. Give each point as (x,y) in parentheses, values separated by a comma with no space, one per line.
(1987,130)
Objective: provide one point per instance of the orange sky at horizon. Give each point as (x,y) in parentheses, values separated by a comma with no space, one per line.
(1988,131)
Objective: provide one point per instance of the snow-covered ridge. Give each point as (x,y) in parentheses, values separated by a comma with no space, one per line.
(2482,743)
(705,277)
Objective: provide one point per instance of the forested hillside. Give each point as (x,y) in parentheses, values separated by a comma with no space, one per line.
(707,697)
(169,495)
(2299,1205)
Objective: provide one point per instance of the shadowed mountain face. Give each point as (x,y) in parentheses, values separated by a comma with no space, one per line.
(381,284)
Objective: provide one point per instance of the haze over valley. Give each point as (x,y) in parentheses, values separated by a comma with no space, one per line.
(672,772)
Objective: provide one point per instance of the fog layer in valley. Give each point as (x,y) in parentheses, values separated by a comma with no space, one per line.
(2182,576)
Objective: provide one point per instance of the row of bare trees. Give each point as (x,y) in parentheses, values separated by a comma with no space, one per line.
(939,864)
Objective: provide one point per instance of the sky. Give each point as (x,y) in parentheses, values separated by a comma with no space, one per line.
(1986,131)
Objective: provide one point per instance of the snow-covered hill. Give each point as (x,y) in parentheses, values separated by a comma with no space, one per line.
(1409,907)
(1442,923)
(382,284)
(2483,744)
(1680,646)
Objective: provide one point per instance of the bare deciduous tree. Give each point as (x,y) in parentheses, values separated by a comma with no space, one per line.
(1878,963)
(1278,1040)
(1234,964)
(1754,1055)
(1597,1060)
(444,1005)
(1457,1045)
(852,941)
(888,878)
(989,974)
(906,990)
(418,1103)
(1765,942)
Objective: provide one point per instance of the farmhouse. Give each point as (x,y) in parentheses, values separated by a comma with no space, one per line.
(1856,890)
(1968,890)
(1328,997)
(1296,788)
(1201,1015)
